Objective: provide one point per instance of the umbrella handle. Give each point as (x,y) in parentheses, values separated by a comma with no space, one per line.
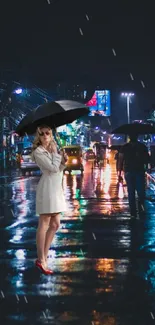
(58,140)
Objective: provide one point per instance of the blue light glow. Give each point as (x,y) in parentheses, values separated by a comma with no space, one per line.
(18,91)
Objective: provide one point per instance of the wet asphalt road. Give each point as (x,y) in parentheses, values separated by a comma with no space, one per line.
(103,262)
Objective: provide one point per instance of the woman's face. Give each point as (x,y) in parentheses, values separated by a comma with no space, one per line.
(45,136)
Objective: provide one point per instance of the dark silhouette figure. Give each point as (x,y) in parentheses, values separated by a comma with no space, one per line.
(133,159)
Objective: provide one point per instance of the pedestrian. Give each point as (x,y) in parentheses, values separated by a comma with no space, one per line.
(116,158)
(133,159)
(98,156)
(102,156)
(50,200)
(120,178)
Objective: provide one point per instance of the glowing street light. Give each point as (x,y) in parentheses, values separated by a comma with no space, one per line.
(128,96)
(18,91)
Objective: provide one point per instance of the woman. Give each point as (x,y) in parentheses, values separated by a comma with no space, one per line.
(50,199)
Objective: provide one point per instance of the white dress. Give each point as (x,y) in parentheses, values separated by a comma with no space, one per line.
(49,197)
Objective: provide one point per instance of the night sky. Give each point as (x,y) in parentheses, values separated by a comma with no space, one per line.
(41,44)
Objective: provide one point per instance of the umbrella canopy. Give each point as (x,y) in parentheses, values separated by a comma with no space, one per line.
(135,128)
(53,114)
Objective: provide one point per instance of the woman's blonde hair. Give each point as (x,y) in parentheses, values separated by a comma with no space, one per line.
(37,142)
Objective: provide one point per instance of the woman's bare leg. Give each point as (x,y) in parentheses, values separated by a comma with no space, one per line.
(53,227)
(44,221)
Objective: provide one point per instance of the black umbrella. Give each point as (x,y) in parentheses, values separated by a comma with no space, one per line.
(134,128)
(22,126)
(53,114)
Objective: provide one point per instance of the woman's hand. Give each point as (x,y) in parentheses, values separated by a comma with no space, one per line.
(53,147)
(64,156)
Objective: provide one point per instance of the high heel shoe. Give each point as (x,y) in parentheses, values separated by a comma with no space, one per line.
(42,269)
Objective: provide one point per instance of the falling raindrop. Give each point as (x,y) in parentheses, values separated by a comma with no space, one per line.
(152,315)
(17,297)
(109,122)
(48,1)
(81,251)
(12,213)
(81,32)
(44,314)
(25,299)
(142,83)
(2,294)
(87,17)
(131,76)
(114,52)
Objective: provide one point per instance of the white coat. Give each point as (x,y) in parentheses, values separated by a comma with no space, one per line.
(49,196)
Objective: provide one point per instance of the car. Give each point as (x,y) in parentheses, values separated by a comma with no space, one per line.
(89,154)
(26,162)
(75,160)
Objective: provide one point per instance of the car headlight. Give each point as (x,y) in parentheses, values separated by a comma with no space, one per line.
(74,161)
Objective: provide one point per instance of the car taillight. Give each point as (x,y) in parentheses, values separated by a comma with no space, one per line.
(21,159)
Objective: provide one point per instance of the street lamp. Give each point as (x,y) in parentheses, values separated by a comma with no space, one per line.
(18,91)
(128,96)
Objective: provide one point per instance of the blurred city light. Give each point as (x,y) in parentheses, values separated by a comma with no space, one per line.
(127,94)
(18,91)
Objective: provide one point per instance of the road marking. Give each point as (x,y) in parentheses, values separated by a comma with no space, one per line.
(94,236)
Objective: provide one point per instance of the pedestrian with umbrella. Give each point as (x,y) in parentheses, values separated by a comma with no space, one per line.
(53,114)
(50,200)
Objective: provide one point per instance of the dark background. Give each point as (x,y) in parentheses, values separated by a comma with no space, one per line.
(41,44)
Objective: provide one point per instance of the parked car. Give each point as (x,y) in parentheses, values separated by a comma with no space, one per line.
(75,161)
(26,163)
